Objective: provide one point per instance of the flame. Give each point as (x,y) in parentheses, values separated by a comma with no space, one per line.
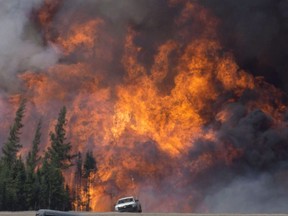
(142,121)
(81,36)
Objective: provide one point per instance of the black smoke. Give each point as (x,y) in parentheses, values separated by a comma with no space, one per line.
(256,32)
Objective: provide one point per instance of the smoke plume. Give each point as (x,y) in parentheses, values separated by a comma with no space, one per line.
(255,31)
(20,45)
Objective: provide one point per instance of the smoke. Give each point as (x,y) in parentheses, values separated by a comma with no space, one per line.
(119,13)
(256,180)
(263,194)
(255,31)
(20,45)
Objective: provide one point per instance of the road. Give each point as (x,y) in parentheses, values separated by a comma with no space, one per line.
(31,213)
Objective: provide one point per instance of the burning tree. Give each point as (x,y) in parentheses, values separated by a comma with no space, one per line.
(85,176)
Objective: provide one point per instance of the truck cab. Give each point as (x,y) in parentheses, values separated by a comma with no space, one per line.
(128,204)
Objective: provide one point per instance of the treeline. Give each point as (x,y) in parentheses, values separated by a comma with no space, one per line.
(37,181)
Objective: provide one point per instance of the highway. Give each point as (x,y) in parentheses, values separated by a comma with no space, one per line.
(32,213)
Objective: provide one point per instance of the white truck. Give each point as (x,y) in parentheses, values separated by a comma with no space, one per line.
(128,204)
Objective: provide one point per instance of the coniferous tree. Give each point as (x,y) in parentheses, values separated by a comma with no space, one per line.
(56,188)
(67,204)
(59,152)
(52,189)
(9,182)
(37,188)
(12,145)
(44,193)
(32,182)
(19,183)
(26,187)
(89,166)
(78,183)
(33,158)
(57,159)
(3,183)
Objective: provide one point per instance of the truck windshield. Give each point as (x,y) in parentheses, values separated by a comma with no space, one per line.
(125,200)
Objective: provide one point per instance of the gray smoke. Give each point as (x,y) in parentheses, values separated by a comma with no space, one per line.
(120,12)
(20,45)
(256,182)
(264,194)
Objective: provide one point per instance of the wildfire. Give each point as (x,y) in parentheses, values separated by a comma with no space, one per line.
(144,115)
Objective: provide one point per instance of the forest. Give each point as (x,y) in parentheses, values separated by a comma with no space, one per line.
(37,181)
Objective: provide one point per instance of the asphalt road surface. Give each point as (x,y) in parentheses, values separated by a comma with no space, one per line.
(32,213)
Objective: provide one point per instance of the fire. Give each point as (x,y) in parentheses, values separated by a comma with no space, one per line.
(84,36)
(144,119)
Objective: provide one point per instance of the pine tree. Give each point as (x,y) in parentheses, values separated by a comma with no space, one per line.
(32,182)
(8,189)
(67,204)
(56,188)
(12,173)
(59,152)
(33,158)
(53,194)
(57,159)
(78,183)
(19,184)
(12,145)
(3,180)
(44,193)
(89,166)
(37,188)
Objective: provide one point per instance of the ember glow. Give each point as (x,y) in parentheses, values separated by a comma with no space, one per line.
(168,113)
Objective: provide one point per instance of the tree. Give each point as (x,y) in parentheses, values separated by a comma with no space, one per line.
(57,159)
(89,164)
(52,188)
(44,194)
(78,183)
(12,173)
(19,176)
(3,188)
(89,167)
(33,158)
(59,152)
(12,145)
(32,182)
(67,203)
(32,187)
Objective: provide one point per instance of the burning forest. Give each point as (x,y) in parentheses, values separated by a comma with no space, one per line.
(183,103)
